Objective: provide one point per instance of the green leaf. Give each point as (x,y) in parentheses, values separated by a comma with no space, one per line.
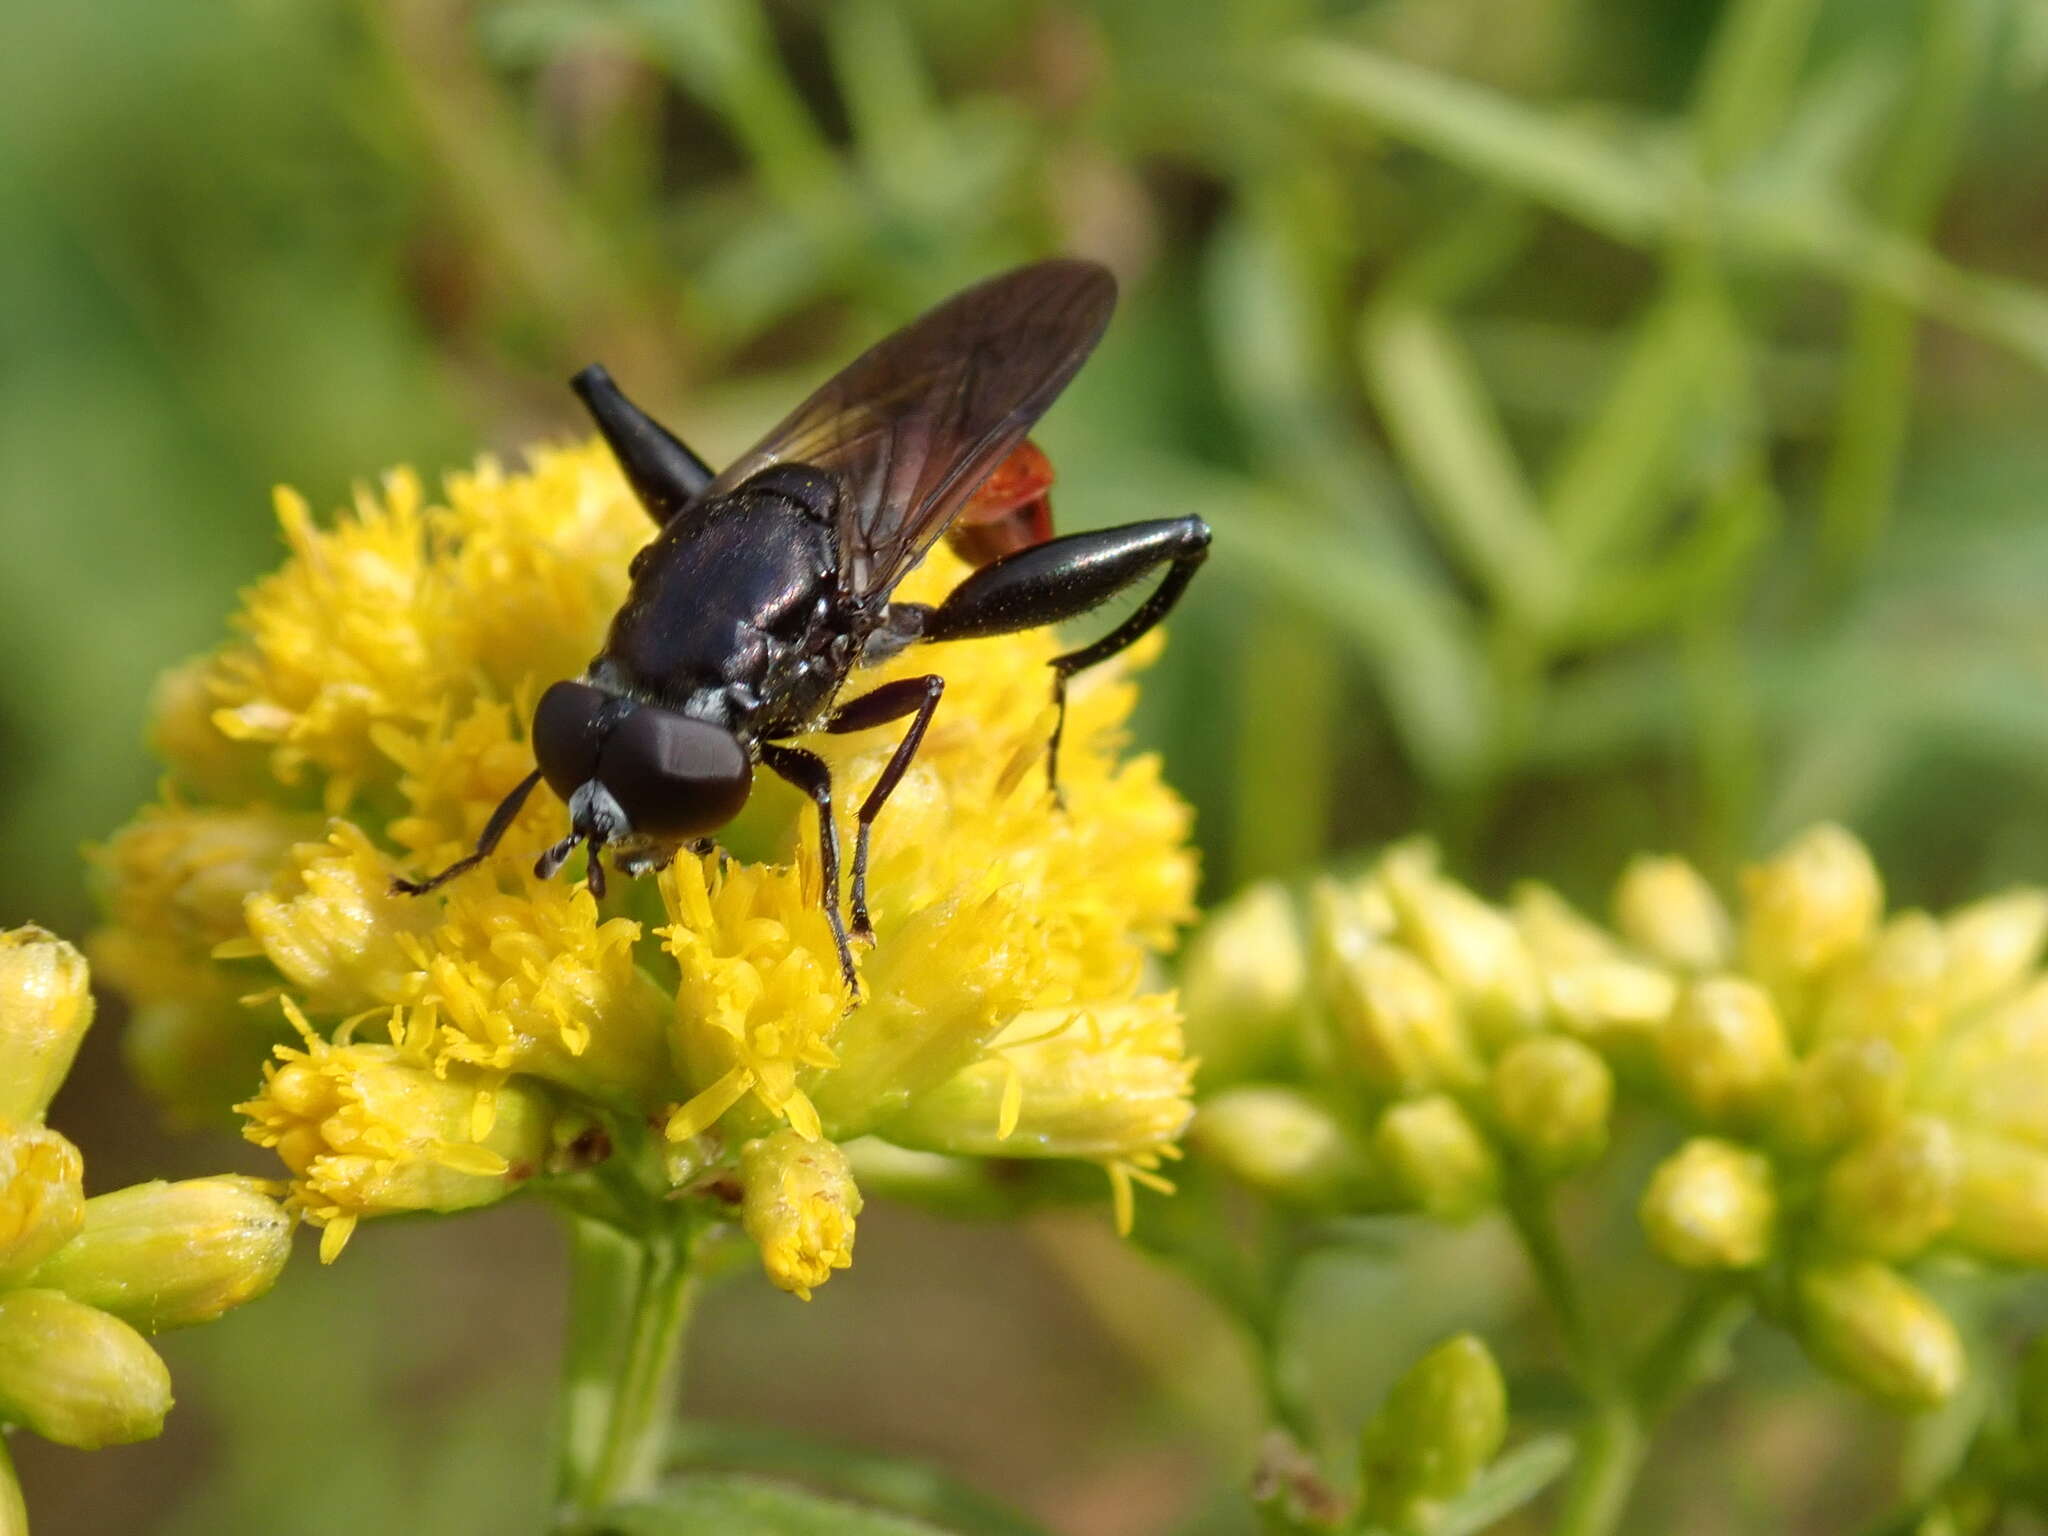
(740,1504)
(1506,1486)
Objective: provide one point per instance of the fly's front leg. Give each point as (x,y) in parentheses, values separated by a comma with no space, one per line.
(891,701)
(807,771)
(486,845)
(1065,578)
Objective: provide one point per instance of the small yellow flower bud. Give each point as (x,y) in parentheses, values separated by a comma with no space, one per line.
(1243,983)
(1395,1023)
(42,1197)
(45,1007)
(1437,1157)
(799,1208)
(182,732)
(1619,1005)
(1437,1430)
(1992,946)
(1664,907)
(1879,1332)
(1552,1097)
(1845,1089)
(2002,1200)
(1892,990)
(163,1255)
(1711,1205)
(1724,1050)
(1474,947)
(1992,1074)
(77,1376)
(1557,933)
(1817,902)
(370,1130)
(1893,1194)
(1281,1141)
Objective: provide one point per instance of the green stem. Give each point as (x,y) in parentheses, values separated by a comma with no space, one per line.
(13,1511)
(630,1300)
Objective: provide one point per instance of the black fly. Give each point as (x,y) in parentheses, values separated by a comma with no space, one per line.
(770,582)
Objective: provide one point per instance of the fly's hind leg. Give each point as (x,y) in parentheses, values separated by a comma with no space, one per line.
(660,467)
(808,773)
(917,696)
(1065,578)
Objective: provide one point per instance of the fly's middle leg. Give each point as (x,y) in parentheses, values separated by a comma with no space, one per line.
(808,773)
(917,696)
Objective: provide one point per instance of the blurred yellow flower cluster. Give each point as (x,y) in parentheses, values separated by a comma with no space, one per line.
(1853,1094)
(436,1053)
(81,1281)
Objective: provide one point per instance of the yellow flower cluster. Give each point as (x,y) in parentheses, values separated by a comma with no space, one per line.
(1855,1092)
(434,1053)
(82,1280)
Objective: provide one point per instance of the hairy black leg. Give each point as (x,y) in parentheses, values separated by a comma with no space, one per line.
(807,771)
(891,701)
(663,472)
(1065,578)
(493,834)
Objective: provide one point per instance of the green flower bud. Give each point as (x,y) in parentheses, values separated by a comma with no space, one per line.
(1664,907)
(45,1007)
(1552,1097)
(2001,1202)
(1724,1050)
(42,1197)
(162,1255)
(1894,1193)
(1475,949)
(1878,1332)
(1396,1024)
(1993,945)
(1437,1430)
(1711,1205)
(1243,983)
(1845,1089)
(1281,1141)
(1437,1157)
(77,1376)
(1815,904)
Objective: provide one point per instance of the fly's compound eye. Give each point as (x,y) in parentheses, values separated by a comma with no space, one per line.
(674,777)
(568,727)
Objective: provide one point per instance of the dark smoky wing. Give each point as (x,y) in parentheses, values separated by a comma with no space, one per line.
(915,423)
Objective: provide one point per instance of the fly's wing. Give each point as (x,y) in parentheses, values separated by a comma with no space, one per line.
(915,423)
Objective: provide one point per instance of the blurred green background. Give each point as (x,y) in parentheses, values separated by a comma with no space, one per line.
(1621,421)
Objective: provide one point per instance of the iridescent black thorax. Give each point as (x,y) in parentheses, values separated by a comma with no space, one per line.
(737,613)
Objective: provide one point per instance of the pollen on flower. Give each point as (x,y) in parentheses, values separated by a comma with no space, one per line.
(799,1208)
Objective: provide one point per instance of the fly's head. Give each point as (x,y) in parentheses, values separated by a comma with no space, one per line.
(636,776)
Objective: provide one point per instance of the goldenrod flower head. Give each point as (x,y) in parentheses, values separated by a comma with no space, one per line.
(42,1197)
(1874,1328)
(799,1207)
(384,676)
(1476,949)
(163,1255)
(1894,1193)
(369,1128)
(1711,1205)
(1437,1430)
(45,1009)
(1395,1021)
(1724,1048)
